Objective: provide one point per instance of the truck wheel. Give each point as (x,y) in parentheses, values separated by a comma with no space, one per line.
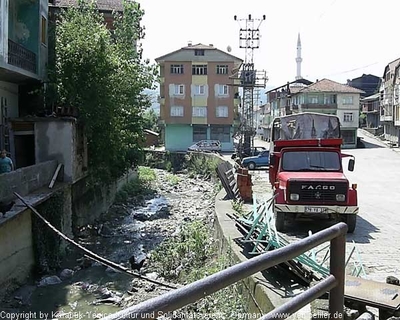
(280,221)
(251,165)
(350,220)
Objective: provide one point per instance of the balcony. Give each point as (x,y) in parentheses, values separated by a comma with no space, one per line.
(21,57)
(370,109)
(306,106)
(386,113)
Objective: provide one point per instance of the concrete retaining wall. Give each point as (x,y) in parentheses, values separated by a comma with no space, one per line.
(253,293)
(26,180)
(16,250)
(89,202)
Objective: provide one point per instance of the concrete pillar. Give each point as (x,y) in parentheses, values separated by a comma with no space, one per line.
(3,30)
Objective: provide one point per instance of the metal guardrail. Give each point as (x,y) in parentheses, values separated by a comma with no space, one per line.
(176,299)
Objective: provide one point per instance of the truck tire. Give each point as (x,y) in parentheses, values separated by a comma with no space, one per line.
(251,165)
(351,221)
(280,221)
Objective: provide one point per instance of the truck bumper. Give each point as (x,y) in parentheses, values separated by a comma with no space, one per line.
(315,210)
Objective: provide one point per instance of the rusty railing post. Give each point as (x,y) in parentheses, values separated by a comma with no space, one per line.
(337,269)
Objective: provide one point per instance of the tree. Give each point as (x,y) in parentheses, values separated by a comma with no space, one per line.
(103,75)
(151,120)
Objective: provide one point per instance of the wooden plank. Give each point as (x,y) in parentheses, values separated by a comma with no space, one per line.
(53,180)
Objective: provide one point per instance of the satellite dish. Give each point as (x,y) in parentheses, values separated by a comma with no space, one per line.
(229,48)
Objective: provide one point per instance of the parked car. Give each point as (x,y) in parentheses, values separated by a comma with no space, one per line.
(255,162)
(255,151)
(206,146)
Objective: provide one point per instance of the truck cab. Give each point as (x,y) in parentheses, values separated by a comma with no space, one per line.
(306,171)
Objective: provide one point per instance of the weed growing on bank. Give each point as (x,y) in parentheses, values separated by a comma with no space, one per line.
(173,179)
(237,206)
(193,255)
(203,166)
(140,185)
(189,249)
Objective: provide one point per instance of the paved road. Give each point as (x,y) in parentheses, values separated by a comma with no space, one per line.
(377,235)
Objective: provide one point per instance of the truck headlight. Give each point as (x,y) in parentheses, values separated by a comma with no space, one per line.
(294,196)
(340,197)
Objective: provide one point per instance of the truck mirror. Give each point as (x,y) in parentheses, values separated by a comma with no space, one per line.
(272,159)
(351,165)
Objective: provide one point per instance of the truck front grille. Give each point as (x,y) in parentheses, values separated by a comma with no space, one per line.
(318,191)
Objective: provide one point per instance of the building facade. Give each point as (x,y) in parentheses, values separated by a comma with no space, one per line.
(389,102)
(330,97)
(198,97)
(23,58)
(370,110)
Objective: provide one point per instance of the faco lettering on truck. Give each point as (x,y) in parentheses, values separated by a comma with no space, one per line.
(318,187)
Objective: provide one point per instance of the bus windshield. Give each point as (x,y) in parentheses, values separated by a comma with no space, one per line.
(311,161)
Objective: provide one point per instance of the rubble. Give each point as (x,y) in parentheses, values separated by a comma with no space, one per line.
(128,230)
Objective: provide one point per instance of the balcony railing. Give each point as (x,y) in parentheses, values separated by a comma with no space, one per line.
(21,57)
(318,106)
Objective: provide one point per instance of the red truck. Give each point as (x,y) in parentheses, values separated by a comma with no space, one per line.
(306,171)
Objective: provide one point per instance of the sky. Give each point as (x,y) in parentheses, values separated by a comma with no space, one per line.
(341,39)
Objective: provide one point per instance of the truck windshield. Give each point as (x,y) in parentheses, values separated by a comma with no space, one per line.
(310,161)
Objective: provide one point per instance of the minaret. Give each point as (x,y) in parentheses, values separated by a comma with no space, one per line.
(298,58)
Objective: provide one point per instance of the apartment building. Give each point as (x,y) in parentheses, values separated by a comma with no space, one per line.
(23,58)
(390,102)
(199,99)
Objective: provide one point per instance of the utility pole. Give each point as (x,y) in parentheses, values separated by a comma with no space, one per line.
(257,105)
(250,78)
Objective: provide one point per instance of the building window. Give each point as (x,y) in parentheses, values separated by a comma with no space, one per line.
(176,111)
(348,137)
(43,36)
(199,52)
(329,99)
(179,90)
(223,90)
(199,132)
(199,69)
(348,100)
(199,90)
(200,112)
(313,99)
(222,69)
(222,112)
(221,133)
(177,68)
(348,117)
